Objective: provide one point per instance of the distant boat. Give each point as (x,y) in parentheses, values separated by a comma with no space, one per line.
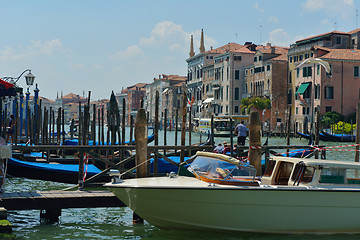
(340,137)
(322,136)
(64,173)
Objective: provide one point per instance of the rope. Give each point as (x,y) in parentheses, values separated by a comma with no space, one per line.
(132,169)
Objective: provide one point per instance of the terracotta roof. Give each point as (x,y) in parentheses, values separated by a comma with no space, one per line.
(354,31)
(230,47)
(339,54)
(324,34)
(280,51)
(72,95)
(139,85)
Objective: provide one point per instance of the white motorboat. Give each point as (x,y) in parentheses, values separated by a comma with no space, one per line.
(293,196)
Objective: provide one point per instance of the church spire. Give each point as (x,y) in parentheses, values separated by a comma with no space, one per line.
(192,53)
(202,45)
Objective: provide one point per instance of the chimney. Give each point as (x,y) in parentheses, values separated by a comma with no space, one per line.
(211,47)
(268,44)
(273,50)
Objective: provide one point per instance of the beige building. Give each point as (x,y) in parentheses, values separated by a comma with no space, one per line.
(267,78)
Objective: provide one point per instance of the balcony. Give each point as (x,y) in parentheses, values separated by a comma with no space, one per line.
(266,93)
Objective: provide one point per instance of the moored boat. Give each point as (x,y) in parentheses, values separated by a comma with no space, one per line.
(340,137)
(294,195)
(65,173)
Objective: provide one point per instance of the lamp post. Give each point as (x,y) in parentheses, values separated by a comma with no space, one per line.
(29,78)
(327,67)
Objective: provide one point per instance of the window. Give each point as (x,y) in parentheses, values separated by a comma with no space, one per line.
(338,40)
(260,58)
(356,71)
(237,74)
(300,57)
(283,176)
(296,110)
(291,59)
(318,69)
(251,71)
(304,110)
(296,58)
(328,109)
(237,94)
(255,59)
(227,93)
(237,58)
(329,92)
(269,168)
(329,74)
(303,173)
(236,109)
(268,68)
(316,92)
(246,72)
(307,72)
(297,73)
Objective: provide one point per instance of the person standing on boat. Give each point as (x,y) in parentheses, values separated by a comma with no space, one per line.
(10,129)
(241,131)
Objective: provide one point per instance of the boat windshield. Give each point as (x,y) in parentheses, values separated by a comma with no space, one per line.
(217,170)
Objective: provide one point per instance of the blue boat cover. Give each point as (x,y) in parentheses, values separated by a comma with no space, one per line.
(73,168)
(166,167)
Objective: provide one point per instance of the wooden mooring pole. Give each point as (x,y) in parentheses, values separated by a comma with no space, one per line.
(141,150)
(255,141)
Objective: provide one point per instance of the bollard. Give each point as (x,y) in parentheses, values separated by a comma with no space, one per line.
(255,141)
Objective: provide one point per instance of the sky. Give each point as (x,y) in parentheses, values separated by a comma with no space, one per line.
(101,46)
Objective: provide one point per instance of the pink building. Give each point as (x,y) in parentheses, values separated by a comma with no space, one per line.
(338,91)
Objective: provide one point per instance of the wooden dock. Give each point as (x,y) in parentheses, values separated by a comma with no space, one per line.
(46,200)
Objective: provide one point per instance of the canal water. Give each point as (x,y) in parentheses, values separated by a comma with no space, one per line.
(116,223)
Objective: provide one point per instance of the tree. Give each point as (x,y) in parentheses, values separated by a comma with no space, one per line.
(255,102)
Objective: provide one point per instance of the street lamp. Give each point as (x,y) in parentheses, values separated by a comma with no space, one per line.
(327,67)
(29,78)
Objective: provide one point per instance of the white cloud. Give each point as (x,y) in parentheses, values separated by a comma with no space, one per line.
(47,47)
(257,7)
(281,38)
(37,48)
(164,32)
(130,52)
(273,19)
(165,38)
(333,8)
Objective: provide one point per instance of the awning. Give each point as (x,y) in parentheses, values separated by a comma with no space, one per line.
(208,100)
(303,88)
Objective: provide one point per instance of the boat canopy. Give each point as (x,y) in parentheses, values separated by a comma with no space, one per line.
(222,169)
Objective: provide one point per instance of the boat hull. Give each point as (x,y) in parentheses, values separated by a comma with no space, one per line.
(187,203)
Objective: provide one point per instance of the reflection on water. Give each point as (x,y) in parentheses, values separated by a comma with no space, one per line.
(116,223)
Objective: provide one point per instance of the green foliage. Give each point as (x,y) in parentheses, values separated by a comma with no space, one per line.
(338,127)
(255,102)
(330,118)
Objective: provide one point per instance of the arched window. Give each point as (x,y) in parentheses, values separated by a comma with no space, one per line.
(237,94)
